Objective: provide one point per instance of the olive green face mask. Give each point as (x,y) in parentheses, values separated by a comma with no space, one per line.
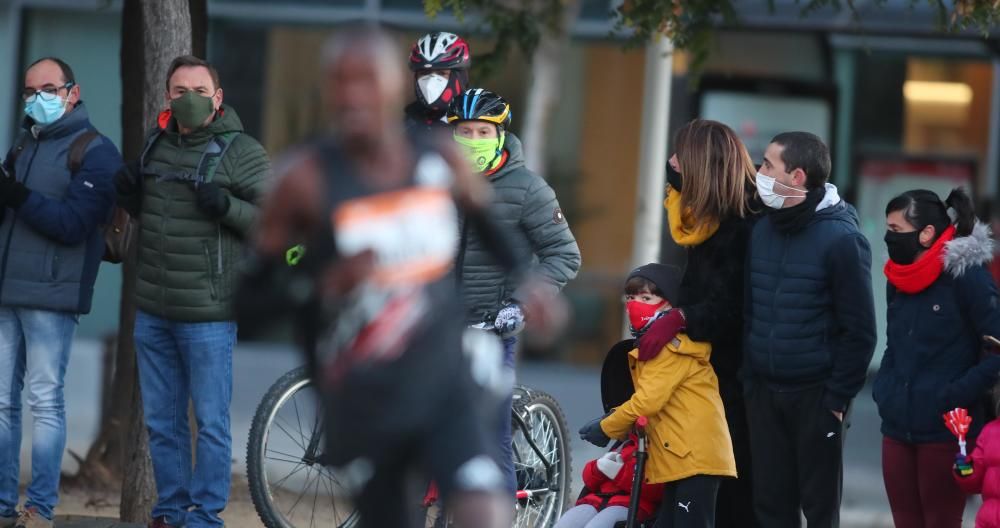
(191,110)
(484,154)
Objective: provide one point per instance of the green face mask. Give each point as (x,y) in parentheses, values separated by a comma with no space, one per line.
(191,110)
(484,154)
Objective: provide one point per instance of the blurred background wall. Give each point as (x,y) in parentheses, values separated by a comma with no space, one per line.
(900,105)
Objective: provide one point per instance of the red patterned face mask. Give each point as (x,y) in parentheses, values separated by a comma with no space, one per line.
(639,313)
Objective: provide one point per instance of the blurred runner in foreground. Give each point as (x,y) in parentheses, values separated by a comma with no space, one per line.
(378,211)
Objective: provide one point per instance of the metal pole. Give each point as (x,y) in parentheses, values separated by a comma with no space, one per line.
(993,149)
(653,153)
(10,38)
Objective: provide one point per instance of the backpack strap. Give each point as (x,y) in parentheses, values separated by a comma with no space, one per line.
(78,149)
(10,160)
(150,141)
(212,156)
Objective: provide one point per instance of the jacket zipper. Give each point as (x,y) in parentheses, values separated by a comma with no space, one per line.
(462,241)
(774,309)
(218,257)
(10,233)
(219,244)
(211,275)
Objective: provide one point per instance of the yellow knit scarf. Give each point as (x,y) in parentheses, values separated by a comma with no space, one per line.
(680,229)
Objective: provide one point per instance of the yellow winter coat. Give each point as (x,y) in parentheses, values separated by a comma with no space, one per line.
(679,394)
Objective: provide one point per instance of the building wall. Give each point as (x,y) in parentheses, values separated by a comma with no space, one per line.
(89,42)
(9,31)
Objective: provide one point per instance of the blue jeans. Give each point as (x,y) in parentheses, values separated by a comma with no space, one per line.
(506,461)
(35,343)
(179,361)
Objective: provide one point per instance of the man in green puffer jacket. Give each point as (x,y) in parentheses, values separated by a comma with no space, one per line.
(196,193)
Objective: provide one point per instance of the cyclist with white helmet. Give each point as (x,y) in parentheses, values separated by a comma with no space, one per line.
(526,206)
(440,64)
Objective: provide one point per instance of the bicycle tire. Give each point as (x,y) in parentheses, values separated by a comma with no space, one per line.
(263,500)
(535,401)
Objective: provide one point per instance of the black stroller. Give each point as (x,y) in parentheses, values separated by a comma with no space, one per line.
(616,389)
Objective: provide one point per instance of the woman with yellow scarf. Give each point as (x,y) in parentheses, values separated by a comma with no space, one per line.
(710,211)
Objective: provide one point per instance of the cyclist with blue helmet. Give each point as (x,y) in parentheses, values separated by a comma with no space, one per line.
(526,206)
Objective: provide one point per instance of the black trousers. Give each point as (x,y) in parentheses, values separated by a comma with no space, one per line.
(689,503)
(797,448)
(734,507)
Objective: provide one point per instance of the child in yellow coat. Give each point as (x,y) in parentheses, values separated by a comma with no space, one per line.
(690,450)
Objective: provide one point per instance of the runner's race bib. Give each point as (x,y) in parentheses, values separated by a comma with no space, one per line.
(412,233)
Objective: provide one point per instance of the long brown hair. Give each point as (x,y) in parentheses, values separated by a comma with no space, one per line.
(717,171)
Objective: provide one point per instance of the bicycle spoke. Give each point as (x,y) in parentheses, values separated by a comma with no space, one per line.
(333,498)
(282,453)
(286,477)
(297,501)
(298,419)
(312,518)
(286,460)
(289,435)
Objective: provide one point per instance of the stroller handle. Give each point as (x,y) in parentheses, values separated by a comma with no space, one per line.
(641,423)
(631,521)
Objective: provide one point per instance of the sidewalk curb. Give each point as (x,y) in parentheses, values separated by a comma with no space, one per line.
(79,521)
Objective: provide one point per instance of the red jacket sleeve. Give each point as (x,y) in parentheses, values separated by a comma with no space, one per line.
(592,477)
(973,484)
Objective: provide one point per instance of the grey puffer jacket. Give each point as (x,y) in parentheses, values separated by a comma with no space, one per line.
(525,204)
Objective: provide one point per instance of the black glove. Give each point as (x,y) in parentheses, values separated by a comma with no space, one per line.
(212,200)
(13,193)
(593,433)
(127,179)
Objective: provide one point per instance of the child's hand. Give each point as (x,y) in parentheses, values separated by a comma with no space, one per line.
(610,464)
(593,433)
(963,465)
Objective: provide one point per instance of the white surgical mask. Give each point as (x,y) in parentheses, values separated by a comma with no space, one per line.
(432,86)
(765,188)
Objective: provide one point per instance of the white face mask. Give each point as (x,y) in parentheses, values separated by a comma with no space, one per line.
(765,188)
(432,86)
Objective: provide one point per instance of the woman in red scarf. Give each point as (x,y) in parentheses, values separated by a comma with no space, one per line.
(941,302)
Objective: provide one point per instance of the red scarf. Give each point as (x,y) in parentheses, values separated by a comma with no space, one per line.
(916,277)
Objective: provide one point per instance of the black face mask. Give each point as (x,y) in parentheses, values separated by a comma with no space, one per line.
(903,247)
(673,178)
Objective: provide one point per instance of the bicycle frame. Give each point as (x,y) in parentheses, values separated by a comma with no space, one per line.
(549,468)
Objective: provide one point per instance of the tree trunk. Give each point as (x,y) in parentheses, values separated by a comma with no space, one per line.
(199,27)
(542,94)
(154,32)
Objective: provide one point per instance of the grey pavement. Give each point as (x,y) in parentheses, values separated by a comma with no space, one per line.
(256,366)
(76,521)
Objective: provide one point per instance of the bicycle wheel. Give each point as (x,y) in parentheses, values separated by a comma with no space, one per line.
(542,460)
(289,483)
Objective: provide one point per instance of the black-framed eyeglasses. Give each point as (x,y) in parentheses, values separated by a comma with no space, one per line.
(47,94)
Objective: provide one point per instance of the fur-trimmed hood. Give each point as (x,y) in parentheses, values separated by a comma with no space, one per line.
(965,252)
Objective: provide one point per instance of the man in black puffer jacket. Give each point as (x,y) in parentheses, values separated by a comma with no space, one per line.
(527,206)
(810,333)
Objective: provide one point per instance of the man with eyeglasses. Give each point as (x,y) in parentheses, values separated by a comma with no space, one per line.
(196,190)
(56,188)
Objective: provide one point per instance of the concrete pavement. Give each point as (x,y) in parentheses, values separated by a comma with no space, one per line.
(76,521)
